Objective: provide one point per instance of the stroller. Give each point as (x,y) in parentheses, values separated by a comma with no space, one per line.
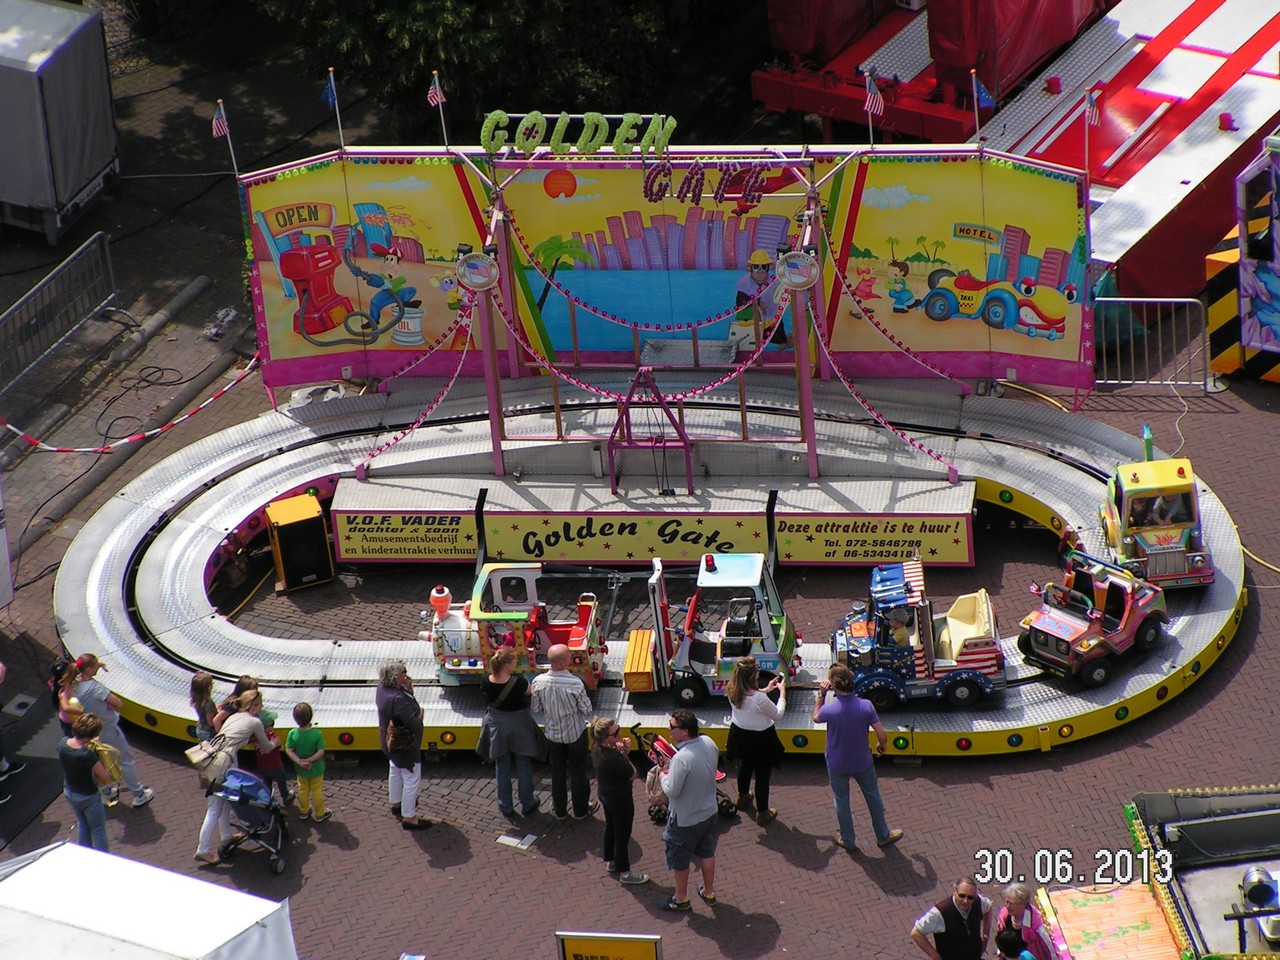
(255,811)
(653,744)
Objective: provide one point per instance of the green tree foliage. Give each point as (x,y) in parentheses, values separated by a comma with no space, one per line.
(515,55)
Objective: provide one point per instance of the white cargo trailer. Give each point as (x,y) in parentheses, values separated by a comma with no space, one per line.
(59,148)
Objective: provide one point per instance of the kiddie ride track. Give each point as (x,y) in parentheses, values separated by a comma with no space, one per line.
(132,587)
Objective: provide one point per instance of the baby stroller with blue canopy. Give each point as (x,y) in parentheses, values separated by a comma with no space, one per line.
(255,811)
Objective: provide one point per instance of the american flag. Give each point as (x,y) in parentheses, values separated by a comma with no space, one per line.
(875,102)
(1091,115)
(435,96)
(220,128)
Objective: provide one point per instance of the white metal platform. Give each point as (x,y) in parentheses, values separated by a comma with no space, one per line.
(190,501)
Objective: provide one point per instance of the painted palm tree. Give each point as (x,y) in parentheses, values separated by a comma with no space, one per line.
(552,252)
(938,247)
(921,242)
(893,247)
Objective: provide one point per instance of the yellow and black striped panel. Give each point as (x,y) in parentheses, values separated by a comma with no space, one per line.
(1222,300)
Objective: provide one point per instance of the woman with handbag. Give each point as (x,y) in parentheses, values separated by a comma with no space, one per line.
(400,733)
(82,775)
(240,727)
(508,732)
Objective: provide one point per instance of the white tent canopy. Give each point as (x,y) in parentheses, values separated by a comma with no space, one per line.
(132,912)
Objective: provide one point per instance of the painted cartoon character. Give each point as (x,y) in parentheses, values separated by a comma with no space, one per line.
(902,297)
(391,287)
(447,283)
(755,285)
(1262,288)
(865,290)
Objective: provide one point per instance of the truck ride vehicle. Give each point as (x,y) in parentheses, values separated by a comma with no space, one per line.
(735,611)
(1151,521)
(1096,614)
(899,650)
(505,611)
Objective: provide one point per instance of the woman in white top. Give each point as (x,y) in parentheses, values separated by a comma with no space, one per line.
(753,738)
(238,729)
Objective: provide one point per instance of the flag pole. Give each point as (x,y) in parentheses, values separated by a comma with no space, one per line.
(435,85)
(333,92)
(1087,187)
(973,83)
(223,111)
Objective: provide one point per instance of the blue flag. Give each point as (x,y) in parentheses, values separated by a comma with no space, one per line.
(982,94)
(329,95)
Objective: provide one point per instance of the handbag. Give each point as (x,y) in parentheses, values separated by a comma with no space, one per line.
(109,757)
(215,771)
(202,753)
(398,736)
(212,759)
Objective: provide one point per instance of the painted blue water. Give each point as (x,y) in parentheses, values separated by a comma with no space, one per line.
(658,297)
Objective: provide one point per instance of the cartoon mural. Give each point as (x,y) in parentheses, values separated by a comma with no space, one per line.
(354,262)
(973,261)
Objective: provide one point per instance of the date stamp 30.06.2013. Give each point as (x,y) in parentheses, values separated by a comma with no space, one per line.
(1064,867)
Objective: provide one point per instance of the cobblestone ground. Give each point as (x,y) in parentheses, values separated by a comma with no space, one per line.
(362,889)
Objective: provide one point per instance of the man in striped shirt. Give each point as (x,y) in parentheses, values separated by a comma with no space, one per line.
(561,699)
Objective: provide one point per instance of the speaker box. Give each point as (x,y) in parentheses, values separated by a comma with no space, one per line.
(299,542)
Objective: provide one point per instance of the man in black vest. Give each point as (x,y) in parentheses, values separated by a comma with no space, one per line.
(961,925)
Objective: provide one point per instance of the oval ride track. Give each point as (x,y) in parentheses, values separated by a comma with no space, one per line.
(131,587)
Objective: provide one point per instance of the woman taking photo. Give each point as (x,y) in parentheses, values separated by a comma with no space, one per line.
(753,738)
(615,775)
(82,775)
(240,727)
(509,732)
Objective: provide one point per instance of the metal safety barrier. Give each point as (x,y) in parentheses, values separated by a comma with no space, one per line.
(1154,341)
(80,287)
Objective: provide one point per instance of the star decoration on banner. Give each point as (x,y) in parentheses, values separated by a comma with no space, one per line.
(809,538)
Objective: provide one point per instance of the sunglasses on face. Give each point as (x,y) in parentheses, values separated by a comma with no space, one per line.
(966,896)
(613,733)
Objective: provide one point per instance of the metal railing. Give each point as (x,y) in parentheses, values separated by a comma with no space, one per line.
(1156,341)
(80,287)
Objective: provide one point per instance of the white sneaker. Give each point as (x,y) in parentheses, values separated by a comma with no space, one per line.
(631,877)
(143,798)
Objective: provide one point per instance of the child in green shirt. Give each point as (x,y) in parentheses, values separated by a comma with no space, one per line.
(305,746)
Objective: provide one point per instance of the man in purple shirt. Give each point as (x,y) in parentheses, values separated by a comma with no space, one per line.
(849,754)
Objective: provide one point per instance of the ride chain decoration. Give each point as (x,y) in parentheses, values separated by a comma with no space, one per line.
(518,332)
(463,320)
(867,406)
(622,321)
(136,437)
(865,314)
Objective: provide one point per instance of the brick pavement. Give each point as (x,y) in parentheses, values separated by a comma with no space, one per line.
(361,888)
